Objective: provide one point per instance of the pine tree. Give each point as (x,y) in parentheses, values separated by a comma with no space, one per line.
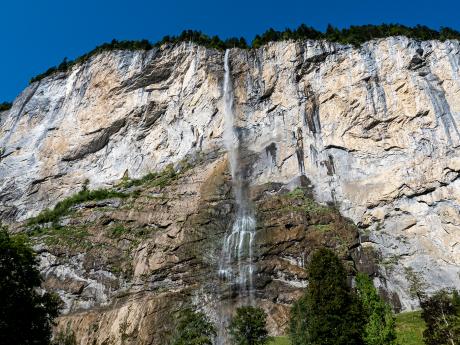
(380,328)
(26,315)
(194,328)
(248,327)
(328,313)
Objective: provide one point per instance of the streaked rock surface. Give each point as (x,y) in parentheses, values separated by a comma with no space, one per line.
(375,130)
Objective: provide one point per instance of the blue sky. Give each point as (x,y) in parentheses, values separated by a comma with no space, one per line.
(36,35)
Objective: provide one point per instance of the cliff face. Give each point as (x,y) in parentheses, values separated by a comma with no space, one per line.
(374,130)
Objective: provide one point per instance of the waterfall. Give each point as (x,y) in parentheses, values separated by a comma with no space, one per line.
(236,266)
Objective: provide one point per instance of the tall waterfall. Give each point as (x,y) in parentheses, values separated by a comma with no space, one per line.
(236,265)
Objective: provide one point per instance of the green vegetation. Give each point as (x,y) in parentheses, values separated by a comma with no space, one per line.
(26,315)
(355,35)
(118,230)
(62,208)
(194,328)
(248,327)
(65,65)
(72,237)
(307,204)
(409,328)
(441,313)
(280,341)
(204,40)
(5,106)
(328,312)
(161,179)
(380,326)
(417,284)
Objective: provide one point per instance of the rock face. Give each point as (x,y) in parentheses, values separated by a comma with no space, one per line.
(375,130)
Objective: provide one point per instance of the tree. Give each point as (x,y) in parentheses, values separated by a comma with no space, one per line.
(5,106)
(417,284)
(194,329)
(248,326)
(328,313)
(380,328)
(26,315)
(441,313)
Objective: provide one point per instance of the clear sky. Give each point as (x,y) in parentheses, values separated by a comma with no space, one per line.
(37,34)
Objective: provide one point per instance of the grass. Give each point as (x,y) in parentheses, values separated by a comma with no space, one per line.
(62,208)
(280,341)
(409,328)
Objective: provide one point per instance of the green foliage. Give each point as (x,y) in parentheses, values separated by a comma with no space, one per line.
(26,315)
(162,179)
(194,328)
(63,207)
(355,35)
(186,36)
(65,65)
(328,313)
(204,40)
(248,326)
(307,203)
(380,327)
(5,106)
(118,230)
(441,313)
(409,328)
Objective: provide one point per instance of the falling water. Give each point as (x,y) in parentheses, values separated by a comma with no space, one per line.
(236,266)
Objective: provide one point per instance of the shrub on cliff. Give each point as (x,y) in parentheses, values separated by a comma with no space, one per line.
(248,327)
(63,207)
(194,328)
(441,313)
(380,328)
(26,314)
(328,313)
(5,106)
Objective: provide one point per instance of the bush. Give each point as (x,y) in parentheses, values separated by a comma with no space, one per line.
(248,327)
(328,313)
(26,315)
(194,328)
(380,328)
(5,106)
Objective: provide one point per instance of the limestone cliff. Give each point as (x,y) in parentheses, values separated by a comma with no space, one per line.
(371,130)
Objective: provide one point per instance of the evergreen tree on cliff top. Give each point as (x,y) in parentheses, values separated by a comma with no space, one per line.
(26,315)
(328,313)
